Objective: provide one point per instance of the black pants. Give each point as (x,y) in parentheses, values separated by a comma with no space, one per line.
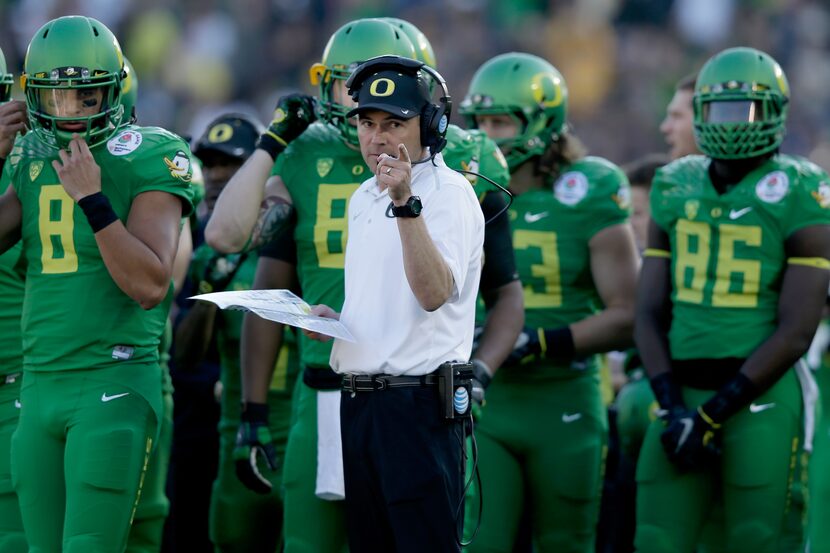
(404,472)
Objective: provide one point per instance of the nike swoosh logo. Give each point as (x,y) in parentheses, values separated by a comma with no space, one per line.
(533,217)
(756,408)
(738,213)
(404,111)
(566,418)
(687,429)
(105,398)
(17,404)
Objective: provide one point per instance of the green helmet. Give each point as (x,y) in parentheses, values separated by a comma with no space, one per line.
(6,81)
(528,89)
(129,92)
(348,47)
(69,58)
(423,49)
(740,104)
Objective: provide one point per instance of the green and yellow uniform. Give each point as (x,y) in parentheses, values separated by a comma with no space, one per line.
(91,395)
(727,262)
(240,519)
(321,172)
(12,272)
(543,429)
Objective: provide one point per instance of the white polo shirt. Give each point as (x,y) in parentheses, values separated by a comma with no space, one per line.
(394,334)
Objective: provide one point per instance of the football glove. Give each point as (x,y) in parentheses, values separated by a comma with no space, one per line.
(293,114)
(481,379)
(254,444)
(691,441)
(526,349)
(219,272)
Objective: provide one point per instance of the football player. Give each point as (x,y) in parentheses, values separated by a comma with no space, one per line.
(731,292)
(12,271)
(543,429)
(98,207)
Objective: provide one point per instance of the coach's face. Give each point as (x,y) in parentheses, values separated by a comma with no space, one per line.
(380,132)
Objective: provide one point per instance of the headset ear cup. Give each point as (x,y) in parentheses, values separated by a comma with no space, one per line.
(427,128)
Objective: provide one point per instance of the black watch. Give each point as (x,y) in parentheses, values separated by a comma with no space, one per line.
(412,208)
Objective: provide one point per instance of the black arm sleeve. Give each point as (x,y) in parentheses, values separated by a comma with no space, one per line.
(499,263)
(281,247)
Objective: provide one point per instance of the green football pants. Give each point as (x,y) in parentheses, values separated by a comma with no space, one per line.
(148,527)
(311,524)
(760,461)
(243,521)
(79,455)
(12,539)
(820,477)
(547,441)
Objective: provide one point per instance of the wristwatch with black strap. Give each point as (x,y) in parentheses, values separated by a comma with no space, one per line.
(412,208)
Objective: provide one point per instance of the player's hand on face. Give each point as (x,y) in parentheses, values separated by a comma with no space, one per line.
(77,170)
(12,122)
(395,173)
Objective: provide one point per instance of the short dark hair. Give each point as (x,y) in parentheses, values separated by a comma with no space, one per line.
(640,172)
(687,83)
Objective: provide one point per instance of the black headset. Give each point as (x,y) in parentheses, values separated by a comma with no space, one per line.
(435,118)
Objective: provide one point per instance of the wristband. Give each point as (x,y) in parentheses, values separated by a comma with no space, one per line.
(730,399)
(557,343)
(98,211)
(254,412)
(667,393)
(271,144)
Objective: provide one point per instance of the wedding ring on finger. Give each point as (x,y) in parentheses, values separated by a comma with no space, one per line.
(388,170)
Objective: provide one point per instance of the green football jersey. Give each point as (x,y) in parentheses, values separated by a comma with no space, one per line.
(321,172)
(551,234)
(12,273)
(473,150)
(727,250)
(74,314)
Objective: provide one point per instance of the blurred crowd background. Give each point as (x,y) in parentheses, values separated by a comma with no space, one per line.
(620,58)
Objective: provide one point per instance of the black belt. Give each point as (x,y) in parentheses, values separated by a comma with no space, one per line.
(378,382)
(10,378)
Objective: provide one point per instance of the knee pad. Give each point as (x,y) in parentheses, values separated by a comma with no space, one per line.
(109,459)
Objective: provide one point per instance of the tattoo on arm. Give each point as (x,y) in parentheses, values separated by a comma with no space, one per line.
(274,216)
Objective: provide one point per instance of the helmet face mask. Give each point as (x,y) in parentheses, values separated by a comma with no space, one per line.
(348,47)
(6,81)
(740,105)
(74,64)
(529,90)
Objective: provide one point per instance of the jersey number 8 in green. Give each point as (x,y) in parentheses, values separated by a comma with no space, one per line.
(56,226)
(737,281)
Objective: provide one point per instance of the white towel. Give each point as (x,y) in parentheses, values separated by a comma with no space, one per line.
(809,394)
(330,483)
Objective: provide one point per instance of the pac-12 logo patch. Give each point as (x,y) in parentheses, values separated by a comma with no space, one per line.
(124,142)
(571,187)
(179,166)
(773,187)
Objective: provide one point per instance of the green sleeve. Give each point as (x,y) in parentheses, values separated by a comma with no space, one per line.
(167,167)
(810,204)
(611,202)
(659,200)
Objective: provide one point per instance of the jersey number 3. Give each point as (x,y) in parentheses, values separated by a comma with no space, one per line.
(55,227)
